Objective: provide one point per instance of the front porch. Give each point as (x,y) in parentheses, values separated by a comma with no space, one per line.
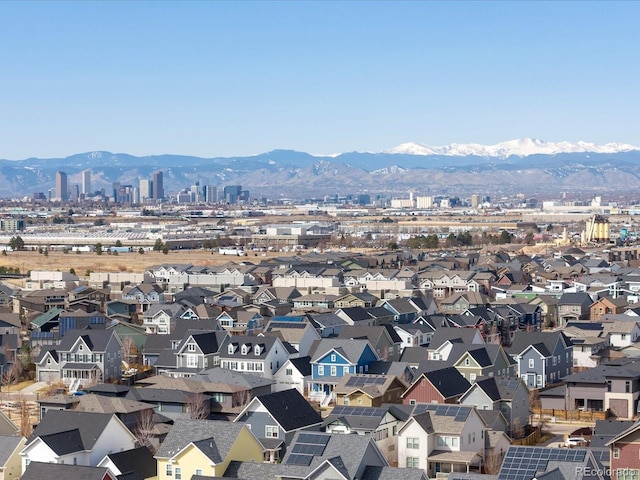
(322,391)
(81,374)
(442,462)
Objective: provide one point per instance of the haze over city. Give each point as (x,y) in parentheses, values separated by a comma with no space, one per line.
(238,78)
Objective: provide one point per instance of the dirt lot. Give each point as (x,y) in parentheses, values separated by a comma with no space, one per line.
(124,262)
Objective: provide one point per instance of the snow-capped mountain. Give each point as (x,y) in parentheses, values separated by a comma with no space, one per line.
(520,148)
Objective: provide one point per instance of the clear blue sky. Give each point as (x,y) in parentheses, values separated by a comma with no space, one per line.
(231,78)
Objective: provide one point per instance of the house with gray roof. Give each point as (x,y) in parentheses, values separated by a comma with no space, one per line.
(10,460)
(542,358)
(45,471)
(138,460)
(76,438)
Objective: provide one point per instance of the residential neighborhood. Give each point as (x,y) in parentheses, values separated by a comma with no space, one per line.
(317,375)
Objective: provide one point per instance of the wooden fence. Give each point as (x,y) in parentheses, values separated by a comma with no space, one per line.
(573,415)
(532,439)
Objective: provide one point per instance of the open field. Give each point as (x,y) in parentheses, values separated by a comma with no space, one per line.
(124,262)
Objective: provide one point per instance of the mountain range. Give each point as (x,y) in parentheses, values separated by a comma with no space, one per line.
(528,166)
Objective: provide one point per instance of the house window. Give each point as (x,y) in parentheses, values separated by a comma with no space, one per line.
(271,431)
(334,371)
(412,402)
(440,442)
(413,442)
(616,453)
(198,471)
(192,361)
(413,462)
(169,471)
(345,400)
(531,363)
(454,441)
(320,370)
(178,473)
(467,362)
(289,371)
(627,386)
(539,380)
(345,370)
(608,385)
(333,357)
(627,474)
(191,347)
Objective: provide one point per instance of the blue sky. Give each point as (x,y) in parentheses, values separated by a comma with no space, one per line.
(236,78)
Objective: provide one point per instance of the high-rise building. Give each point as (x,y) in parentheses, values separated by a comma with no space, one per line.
(146,190)
(210,194)
(62,189)
(158,186)
(86,182)
(231,193)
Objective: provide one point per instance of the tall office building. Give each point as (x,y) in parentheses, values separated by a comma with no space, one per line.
(86,182)
(210,194)
(62,188)
(231,193)
(145,189)
(158,187)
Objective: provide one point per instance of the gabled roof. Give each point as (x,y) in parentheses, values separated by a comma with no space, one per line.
(8,445)
(352,350)
(138,460)
(40,471)
(89,426)
(49,315)
(290,409)
(96,340)
(544,342)
(213,437)
(448,381)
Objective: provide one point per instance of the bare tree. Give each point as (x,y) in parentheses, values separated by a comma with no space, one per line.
(198,406)
(517,429)
(129,351)
(11,375)
(492,463)
(241,398)
(26,427)
(144,428)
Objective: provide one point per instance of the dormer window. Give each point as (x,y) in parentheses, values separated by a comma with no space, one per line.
(245,348)
(232,347)
(257,350)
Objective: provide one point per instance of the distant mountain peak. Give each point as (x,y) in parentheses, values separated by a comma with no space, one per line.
(522,147)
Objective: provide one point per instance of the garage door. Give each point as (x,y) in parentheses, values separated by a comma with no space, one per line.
(619,407)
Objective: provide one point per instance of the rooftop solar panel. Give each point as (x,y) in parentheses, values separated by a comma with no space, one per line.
(313,438)
(299,459)
(522,463)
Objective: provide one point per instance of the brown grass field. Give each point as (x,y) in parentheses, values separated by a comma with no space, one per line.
(123,262)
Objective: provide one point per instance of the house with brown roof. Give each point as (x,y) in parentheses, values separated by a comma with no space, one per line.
(368,390)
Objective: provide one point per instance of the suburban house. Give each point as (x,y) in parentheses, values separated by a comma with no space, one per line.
(542,358)
(509,396)
(332,359)
(442,439)
(84,357)
(368,390)
(81,438)
(624,458)
(138,461)
(294,373)
(144,294)
(205,447)
(445,385)
(277,416)
(253,354)
(10,459)
(477,361)
(613,386)
(296,331)
(199,350)
(573,307)
(39,470)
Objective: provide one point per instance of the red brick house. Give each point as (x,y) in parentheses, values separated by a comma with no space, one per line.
(625,454)
(445,385)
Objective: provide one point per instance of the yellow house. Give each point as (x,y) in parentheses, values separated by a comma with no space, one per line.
(10,459)
(364,390)
(205,447)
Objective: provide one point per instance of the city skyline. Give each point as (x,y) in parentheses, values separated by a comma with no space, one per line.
(215,79)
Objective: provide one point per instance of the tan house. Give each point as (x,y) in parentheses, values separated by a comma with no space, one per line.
(205,447)
(10,459)
(605,306)
(369,390)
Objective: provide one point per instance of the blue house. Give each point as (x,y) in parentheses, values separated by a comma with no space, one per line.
(404,310)
(333,358)
(543,357)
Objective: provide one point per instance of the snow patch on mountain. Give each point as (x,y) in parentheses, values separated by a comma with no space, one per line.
(520,148)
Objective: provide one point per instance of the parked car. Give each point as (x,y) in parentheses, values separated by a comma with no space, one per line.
(575,442)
